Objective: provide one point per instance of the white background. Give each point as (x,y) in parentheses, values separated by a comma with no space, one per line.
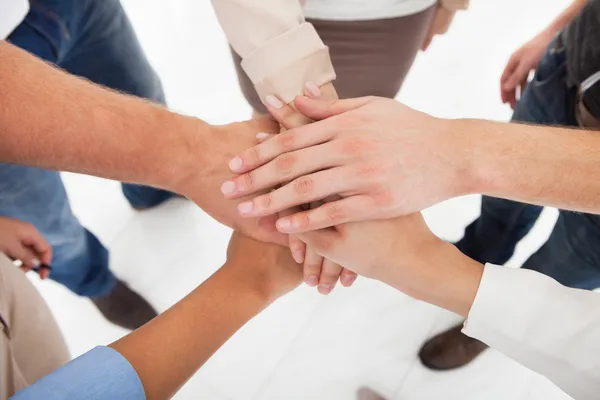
(306,346)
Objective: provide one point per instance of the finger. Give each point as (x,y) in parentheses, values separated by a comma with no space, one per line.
(35,241)
(297,246)
(330,273)
(347,278)
(512,64)
(513,80)
(312,267)
(350,209)
(325,242)
(285,114)
(28,257)
(305,189)
(285,168)
(427,42)
(296,139)
(321,109)
(263,137)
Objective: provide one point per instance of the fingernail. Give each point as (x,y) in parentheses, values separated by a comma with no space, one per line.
(235,164)
(298,256)
(35,263)
(228,187)
(312,280)
(274,102)
(347,280)
(284,224)
(262,136)
(312,89)
(325,289)
(245,207)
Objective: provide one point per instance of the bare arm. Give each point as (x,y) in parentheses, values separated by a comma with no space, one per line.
(535,164)
(386,160)
(53,120)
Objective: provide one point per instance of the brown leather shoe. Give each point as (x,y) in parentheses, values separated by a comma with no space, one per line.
(450,349)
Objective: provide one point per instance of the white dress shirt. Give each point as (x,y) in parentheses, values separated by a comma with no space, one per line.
(547,327)
(12,13)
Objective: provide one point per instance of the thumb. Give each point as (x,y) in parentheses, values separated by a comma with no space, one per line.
(317,110)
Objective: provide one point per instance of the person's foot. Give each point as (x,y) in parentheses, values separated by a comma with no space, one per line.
(124,307)
(450,349)
(365,393)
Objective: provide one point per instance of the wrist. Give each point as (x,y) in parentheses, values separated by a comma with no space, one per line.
(188,159)
(441,276)
(458,139)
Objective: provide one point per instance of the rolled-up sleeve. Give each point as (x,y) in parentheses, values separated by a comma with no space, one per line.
(280,51)
(455,5)
(102,373)
(543,325)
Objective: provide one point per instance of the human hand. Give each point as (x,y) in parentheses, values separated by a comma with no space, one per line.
(405,254)
(439,26)
(520,64)
(318,271)
(22,241)
(269,266)
(202,185)
(384,159)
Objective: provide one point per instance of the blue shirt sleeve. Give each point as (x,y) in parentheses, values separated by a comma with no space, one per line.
(102,373)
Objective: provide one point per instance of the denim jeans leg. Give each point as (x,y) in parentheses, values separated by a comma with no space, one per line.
(107,52)
(503,223)
(571,253)
(38,196)
(80,261)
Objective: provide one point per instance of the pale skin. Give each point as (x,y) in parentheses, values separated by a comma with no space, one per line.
(526,59)
(386,160)
(318,271)
(167,351)
(120,137)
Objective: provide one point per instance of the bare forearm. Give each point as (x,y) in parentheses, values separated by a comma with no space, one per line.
(448,279)
(167,351)
(53,120)
(533,164)
(565,17)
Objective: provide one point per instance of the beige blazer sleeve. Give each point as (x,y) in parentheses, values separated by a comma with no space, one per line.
(280,51)
(547,327)
(455,4)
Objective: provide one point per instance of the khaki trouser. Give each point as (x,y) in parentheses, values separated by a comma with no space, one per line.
(31,345)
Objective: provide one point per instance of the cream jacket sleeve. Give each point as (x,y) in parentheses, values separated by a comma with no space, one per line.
(280,51)
(547,327)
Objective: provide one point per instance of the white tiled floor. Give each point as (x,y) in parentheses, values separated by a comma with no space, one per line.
(305,346)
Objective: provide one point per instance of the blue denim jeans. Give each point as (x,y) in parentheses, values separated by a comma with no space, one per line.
(572,253)
(92,39)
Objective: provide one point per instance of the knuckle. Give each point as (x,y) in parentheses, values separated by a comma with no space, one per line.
(334,212)
(285,163)
(285,141)
(353,145)
(252,156)
(264,202)
(303,185)
(368,170)
(246,181)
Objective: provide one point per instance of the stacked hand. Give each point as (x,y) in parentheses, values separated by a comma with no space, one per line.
(374,159)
